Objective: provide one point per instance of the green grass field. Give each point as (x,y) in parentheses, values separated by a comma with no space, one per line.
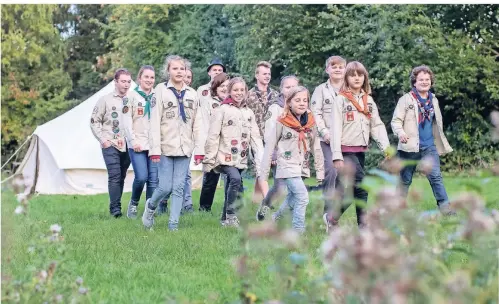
(123,263)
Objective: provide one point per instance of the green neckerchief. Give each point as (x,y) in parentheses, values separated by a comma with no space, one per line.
(148,100)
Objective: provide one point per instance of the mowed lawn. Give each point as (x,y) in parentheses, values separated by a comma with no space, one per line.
(123,263)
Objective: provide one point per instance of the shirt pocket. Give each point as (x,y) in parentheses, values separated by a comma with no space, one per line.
(170,110)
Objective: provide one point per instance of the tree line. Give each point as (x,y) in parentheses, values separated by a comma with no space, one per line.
(55,56)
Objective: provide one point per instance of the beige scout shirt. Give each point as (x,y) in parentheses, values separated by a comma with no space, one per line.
(105,121)
(291,162)
(405,121)
(273,113)
(232,132)
(136,121)
(351,128)
(322,107)
(169,135)
(259,102)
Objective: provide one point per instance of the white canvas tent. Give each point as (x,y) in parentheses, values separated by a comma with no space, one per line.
(65,158)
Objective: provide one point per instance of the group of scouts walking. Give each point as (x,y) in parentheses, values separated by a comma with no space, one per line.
(223,125)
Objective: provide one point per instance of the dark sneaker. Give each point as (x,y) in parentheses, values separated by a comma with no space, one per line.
(187,209)
(131,212)
(261,212)
(148,216)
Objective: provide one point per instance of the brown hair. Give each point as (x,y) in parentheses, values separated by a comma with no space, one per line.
(292,93)
(335,60)
(264,64)
(421,69)
(216,82)
(356,67)
(142,69)
(121,71)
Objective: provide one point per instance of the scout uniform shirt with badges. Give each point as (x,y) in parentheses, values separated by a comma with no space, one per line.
(233,131)
(293,159)
(176,123)
(136,115)
(405,120)
(106,122)
(353,127)
(322,107)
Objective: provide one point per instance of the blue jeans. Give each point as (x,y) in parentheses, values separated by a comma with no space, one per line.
(187,197)
(171,172)
(297,200)
(145,172)
(434,177)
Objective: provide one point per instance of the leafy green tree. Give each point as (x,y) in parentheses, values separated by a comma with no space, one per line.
(34,83)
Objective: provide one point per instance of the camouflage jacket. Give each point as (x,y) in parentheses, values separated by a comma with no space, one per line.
(259,103)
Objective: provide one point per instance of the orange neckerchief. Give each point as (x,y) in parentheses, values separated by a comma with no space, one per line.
(352,99)
(290,121)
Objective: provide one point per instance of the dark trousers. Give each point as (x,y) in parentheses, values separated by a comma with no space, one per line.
(233,189)
(357,159)
(210,182)
(329,183)
(117,164)
(278,187)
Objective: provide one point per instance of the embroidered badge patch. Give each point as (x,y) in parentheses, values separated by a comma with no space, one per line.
(327,101)
(92,120)
(234,150)
(214,105)
(228,157)
(288,135)
(113,108)
(370,109)
(170,104)
(116,130)
(230,122)
(125,100)
(349,108)
(125,109)
(350,116)
(140,111)
(234,142)
(116,123)
(243,153)
(313,102)
(244,135)
(140,104)
(244,145)
(411,107)
(96,109)
(287,155)
(205,93)
(115,114)
(153,101)
(170,115)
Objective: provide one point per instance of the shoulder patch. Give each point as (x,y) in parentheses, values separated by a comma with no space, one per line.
(96,109)
(153,101)
(205,93)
